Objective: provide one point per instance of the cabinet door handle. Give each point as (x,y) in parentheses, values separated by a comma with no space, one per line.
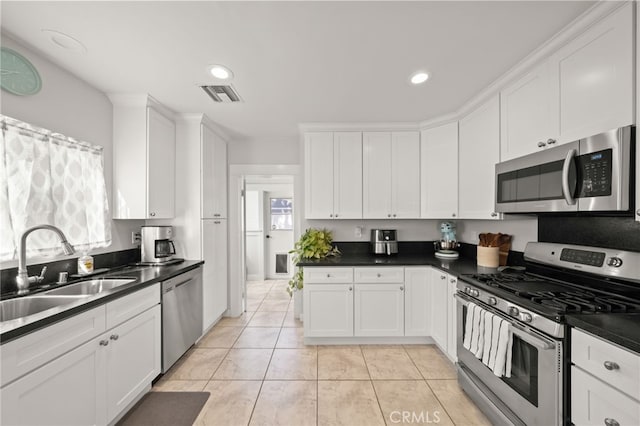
(394,215)
(401,288)
(379,275)
(541,144)
(610,365)
(611,422)
(114,337)
(389,215)
(551,141)
(453,280)
(638,212)
(350,288)
(216,215)
(331,215)
(104,342)
(494,214)
(152,214)
(328,275)
(443,277)
(453,215)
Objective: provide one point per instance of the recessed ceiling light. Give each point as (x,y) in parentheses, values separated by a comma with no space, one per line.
(221,72)
(65,41)
(419,77)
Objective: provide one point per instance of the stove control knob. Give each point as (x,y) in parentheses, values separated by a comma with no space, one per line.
(513,311)
(616,262)
(527,317)
(475,293)
(493,301)
(467,290)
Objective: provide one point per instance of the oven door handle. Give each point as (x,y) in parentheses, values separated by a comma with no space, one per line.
(566,166)
(534,340)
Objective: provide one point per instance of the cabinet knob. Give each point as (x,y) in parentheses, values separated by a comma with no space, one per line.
(104,342)
(541,144)
(114,337)
(336,216)
(350,288)
(331,215)
(453,280)
(216,215)
(389,215)
(453,215)
(494,214)
(152,214)
(611,422)
(401,288)
(638,212)
(610,365)
(379,275)
(551,141)
(443,277)
(328,275)
(394,215)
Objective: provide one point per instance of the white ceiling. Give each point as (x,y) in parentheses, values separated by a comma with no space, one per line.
(294,61)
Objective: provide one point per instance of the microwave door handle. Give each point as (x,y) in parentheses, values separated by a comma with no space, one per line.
(566,191)
(173,248)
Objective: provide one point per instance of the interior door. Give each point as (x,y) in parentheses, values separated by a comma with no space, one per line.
(278,227)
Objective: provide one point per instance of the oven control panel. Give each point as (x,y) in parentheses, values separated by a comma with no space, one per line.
(605,262)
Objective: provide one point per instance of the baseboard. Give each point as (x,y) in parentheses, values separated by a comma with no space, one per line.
(395,340)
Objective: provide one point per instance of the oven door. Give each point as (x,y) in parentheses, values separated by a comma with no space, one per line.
(533,393)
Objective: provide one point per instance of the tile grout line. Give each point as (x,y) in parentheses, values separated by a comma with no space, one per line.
(384,419)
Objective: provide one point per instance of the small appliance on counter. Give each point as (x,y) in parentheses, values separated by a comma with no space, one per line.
(157,245)
(384,241)
(446,247)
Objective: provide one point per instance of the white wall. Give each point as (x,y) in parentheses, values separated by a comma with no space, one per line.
(264,152)
(72,107)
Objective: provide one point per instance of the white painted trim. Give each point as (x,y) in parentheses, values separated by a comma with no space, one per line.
(205,121)
(358,127)
(140,100)
(394,340)
(236,258)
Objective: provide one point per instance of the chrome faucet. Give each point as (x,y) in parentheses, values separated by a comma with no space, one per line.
(23,279)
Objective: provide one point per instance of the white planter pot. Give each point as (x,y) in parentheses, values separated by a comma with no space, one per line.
(297,304)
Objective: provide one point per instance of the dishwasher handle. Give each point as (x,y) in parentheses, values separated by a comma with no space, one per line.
(183,282)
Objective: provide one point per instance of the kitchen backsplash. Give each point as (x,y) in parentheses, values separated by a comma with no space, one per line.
(601,231)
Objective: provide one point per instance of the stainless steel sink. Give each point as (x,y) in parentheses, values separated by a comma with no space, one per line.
(24,306)
(90,287)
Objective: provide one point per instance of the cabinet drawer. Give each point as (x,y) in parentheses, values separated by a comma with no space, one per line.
(38,348)
(132,304)
(379,275)
(593,401)
(592,354)
(328,275)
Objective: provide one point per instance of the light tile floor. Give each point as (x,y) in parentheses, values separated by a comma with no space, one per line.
(259,372)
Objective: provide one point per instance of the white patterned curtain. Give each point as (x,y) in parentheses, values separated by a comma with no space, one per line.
(48,178)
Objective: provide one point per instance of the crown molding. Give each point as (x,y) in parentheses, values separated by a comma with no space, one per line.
(200,118)
(358,127)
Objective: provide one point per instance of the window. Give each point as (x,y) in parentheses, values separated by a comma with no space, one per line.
(48,178)
(281,214)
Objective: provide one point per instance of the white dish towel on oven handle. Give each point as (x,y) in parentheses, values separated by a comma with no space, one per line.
(502,365)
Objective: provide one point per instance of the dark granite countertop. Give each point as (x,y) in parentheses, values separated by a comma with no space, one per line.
(462,265)
(623,329)
(144,277)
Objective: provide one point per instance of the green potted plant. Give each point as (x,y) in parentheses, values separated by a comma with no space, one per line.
(313,244)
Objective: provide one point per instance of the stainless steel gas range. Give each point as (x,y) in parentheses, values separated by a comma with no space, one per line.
(559,280)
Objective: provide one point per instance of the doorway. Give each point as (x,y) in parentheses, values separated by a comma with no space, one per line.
(264,224)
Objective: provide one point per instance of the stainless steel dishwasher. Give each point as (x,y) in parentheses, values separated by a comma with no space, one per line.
(181,315)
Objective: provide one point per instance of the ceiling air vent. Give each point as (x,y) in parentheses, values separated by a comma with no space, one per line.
(221,93)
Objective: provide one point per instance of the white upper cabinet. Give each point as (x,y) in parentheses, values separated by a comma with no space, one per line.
(479,151)
(347,175)
(595,77)
(333,175)
(529,113)
(144,142)
(391,170)
(439,172)
(214,175)
(638,116)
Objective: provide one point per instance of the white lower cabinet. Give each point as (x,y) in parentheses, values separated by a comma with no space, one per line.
(94,382)
(379,310)
(133,359)
(380,302)
(71,390)
(604,382)
(328,310)
(215,273)
(417,298)
(439,308)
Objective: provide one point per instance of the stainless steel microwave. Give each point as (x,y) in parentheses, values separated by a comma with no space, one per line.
(591,174)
